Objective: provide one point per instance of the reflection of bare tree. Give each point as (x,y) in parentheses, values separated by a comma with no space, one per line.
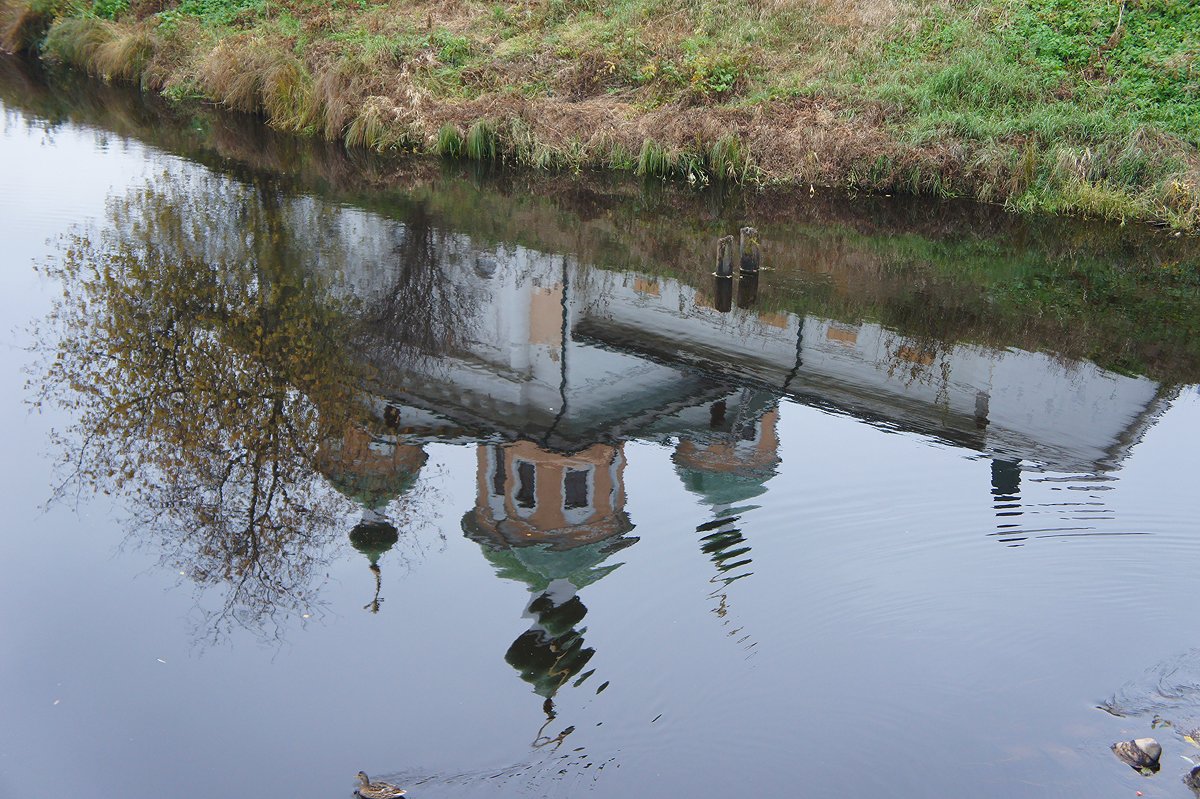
(203,372)
(426,312)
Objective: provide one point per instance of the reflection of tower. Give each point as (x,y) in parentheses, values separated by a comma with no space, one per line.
(372,470)
(550,521)
(727,466)
(1006,500)
(531,495)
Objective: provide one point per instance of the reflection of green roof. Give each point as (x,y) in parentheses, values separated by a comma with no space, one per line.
(538,565)
(724,488)
(373,538)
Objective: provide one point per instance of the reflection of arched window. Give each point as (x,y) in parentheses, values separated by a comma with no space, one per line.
(496,461)
(526,495)
(577,494)
(496,480)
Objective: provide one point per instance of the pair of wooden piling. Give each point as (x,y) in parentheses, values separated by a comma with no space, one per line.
(749,253)
(749,261)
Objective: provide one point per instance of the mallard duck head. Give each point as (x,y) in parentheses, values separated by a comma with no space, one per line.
(363,778)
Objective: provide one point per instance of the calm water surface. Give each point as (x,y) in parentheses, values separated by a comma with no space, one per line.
(317,462)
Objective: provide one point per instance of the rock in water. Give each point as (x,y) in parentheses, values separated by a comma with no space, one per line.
(1140,753)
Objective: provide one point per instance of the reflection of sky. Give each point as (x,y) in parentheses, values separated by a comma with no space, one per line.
(883,612)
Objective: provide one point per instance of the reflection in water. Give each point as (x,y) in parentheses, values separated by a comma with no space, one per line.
(727,465)
(205,372)
(373,470)
(550,520)
(261,371)
(1006,493)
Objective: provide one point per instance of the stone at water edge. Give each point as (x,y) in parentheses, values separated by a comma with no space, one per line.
(1140,753)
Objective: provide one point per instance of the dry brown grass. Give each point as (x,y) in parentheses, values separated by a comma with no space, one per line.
(248,73)
(76,41)
(383,78)
(21,26)
(125,55)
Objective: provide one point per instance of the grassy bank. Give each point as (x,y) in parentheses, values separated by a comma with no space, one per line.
(937,273)
(1067,106)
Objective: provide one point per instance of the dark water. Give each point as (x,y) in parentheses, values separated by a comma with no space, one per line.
(892,520)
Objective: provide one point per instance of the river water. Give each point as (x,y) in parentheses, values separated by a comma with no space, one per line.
(481,482)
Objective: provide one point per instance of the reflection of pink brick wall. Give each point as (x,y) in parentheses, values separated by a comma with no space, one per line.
(548,515)
(545,316)
(725,456)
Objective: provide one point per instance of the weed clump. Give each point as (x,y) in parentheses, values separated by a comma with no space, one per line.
(483,142)
(249,74)
(449,142)
(75,41)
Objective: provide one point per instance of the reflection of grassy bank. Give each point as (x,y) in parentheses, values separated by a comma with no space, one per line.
(951,272)
(1060,105)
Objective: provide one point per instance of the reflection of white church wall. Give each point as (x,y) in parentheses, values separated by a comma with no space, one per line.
(1065,415)
(514,354)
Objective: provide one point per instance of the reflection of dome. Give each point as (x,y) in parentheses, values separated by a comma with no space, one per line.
(538,565)
(373,537)
(550,520)
(723,488)
(733,465)
(552,651)
(370,471)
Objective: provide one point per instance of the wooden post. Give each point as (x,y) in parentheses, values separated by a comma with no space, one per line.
(725,257)
(751,252)
(747,293)
(723,294)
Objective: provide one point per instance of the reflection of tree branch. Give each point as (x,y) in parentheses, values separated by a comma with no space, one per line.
(426,312)
(204,378)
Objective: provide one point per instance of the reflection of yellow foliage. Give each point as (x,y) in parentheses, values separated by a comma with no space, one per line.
(912,355)
(204,370)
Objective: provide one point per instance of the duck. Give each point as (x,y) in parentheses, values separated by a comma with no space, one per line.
(1140,754)
(377,790)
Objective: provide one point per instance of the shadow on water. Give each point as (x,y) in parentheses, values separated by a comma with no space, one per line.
(259,357)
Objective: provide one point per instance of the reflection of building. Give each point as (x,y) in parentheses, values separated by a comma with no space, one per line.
(1011,404)
(550,520)
(531,495)
(732,461)
(524,345)
(372,469)
(726,465)
(565,354)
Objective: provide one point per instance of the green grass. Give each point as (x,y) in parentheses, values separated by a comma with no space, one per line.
(482,142)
